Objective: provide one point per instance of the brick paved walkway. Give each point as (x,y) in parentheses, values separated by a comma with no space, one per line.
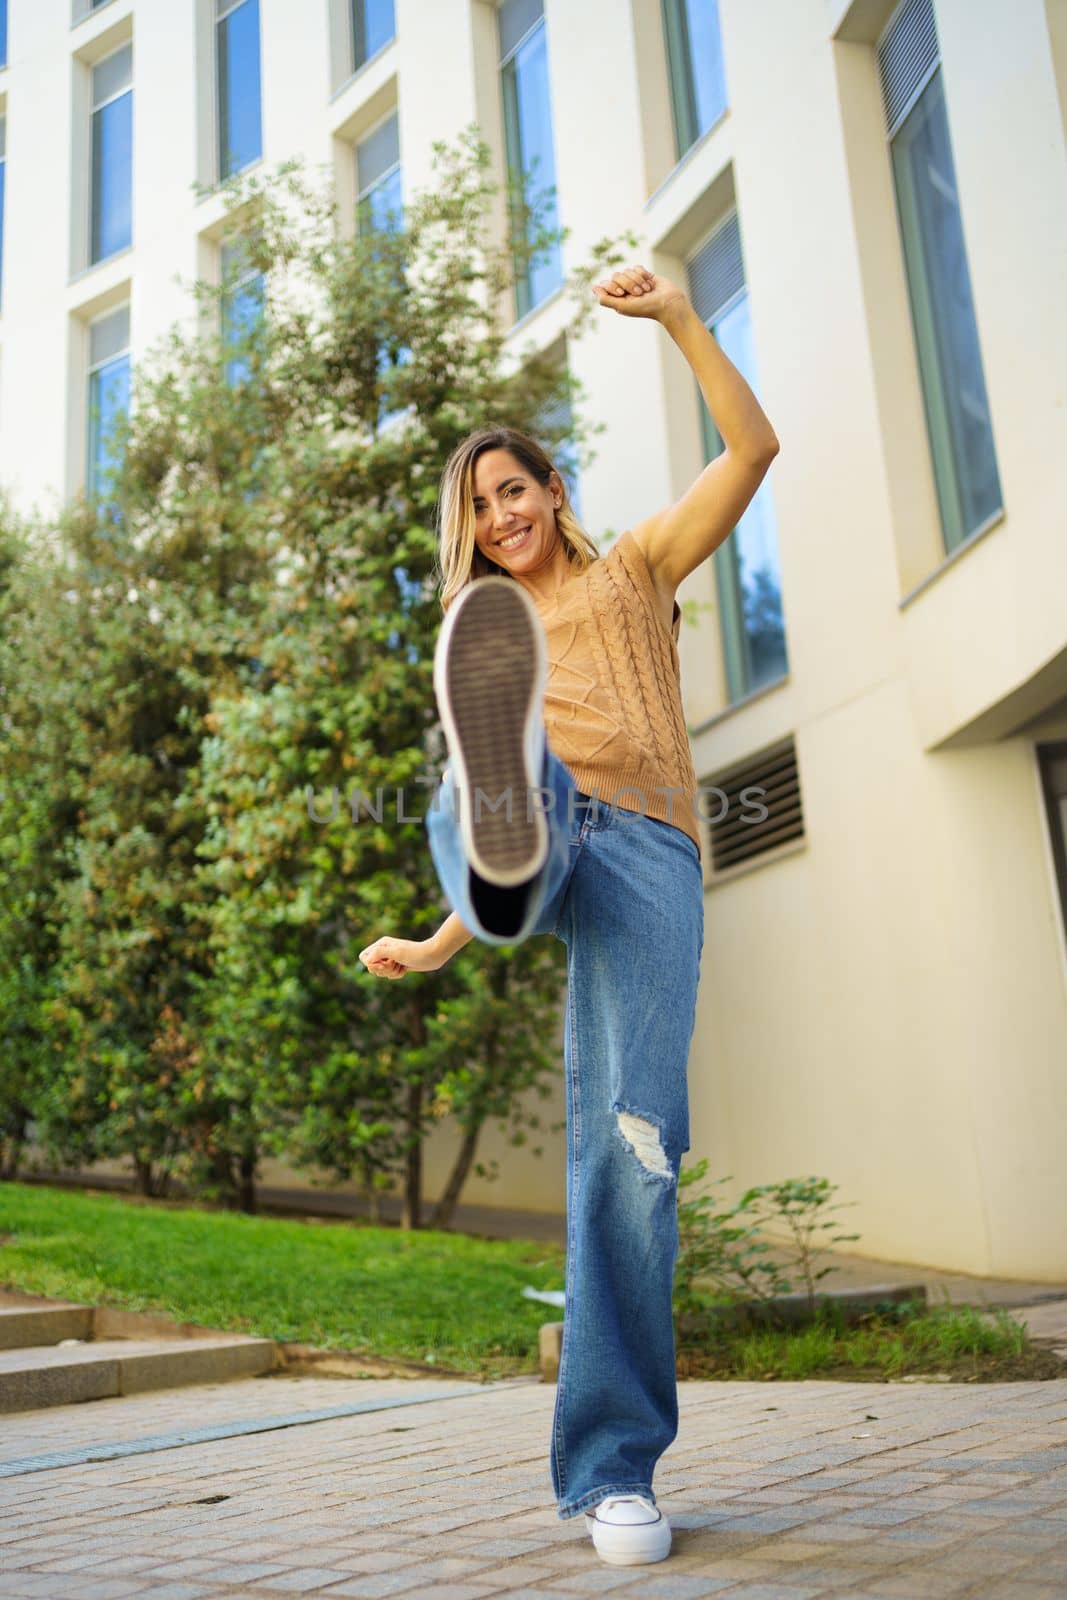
(776,1491)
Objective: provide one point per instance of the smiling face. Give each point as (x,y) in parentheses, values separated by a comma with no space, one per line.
(507,500)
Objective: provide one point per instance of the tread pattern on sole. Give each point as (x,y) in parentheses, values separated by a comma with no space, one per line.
(491,675)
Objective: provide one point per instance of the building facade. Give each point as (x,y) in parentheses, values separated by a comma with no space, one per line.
(866,202)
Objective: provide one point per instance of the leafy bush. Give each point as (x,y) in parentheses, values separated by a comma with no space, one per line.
(722,1247)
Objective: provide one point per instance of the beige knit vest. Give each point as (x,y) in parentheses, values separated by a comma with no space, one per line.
(613,701)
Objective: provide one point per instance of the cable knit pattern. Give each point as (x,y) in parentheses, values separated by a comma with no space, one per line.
(613,701)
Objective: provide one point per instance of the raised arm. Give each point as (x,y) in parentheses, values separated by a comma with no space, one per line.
(677,539)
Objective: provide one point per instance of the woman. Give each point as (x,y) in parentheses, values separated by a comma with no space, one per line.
(569,807)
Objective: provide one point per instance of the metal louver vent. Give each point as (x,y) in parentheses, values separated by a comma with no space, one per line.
(717,271)
(908,55)
(759,807)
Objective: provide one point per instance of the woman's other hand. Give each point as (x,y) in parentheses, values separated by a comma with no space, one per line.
(636,292)
(395,958)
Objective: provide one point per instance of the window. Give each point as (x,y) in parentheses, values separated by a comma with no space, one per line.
(378,194)
(1052,764)
(528,138)
(695,68)
(109,393)
(111,182)
(3,33)
(373,24)
(85,8)
(380,208)
(237,84)
(559,419)
(3,177)
(939,286)
(746,564)
(241,307)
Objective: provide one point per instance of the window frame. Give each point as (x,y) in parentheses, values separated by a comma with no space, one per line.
(91,370)
(355,66)
(249,275)
(933,336)
(681,77)
(392,115)
(729,286)
(221,11)
(92,67)
(525,304)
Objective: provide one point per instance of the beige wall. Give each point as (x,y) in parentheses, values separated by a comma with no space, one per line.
(886,1006)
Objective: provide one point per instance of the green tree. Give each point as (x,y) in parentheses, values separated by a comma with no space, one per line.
(37,811)
(247,634)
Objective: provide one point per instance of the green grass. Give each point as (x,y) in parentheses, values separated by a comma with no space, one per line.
(892,1341)
(446,1297)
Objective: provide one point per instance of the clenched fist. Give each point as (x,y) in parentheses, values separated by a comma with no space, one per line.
(395,958)
(636,292)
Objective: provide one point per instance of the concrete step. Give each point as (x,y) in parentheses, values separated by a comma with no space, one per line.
(54,1353)
(25,1325)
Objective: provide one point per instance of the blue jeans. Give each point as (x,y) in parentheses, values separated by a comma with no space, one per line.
(624,892)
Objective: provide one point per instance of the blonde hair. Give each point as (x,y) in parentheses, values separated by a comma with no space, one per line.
(459,560)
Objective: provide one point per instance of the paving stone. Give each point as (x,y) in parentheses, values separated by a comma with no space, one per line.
(452,1591)
(1012,1539)
(25,1556)
(637,1582)
(771,1591)
(185,1568)
(370,1587)
(241,1572)
(301,1580)
(878,1516)
(120,1566)
(736,1568)
(915,1586)
(507,1548)
(1014,1589)
(394,1584)
(766,1521)
(963,1488)
(181,1591)
(919,1535)
(970,1565)
(1054,1567)
(518,1574)
(788,1551)
(828,1580)
(535,1594)
(451,1568)
(94,1589)
(595,1579)
(667,1588)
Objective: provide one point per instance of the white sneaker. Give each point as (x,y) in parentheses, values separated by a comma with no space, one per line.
(629,1530)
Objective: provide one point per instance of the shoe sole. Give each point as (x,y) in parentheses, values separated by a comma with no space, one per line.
(490,670)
